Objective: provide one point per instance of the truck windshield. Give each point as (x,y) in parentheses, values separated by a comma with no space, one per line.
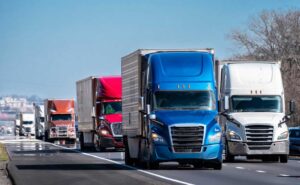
(61,117)
(295,133)
(179,100)
(256,104)
(27,122)
(112,107)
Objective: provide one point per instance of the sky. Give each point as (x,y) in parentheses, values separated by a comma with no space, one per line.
(48,45)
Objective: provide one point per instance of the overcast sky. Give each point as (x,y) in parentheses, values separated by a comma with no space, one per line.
(47,45)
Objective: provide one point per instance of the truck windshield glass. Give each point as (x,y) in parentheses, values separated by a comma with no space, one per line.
(27,122)
(295,133)
(61,117)
(256,104)
(179,100)
(112,107)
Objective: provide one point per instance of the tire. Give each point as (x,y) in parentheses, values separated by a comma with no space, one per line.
(81,141)
(96,144)
(128,160)
(150,163)
(283,158)
(198,164)
(228,156)
(271,158)
(46,136)
(217,166)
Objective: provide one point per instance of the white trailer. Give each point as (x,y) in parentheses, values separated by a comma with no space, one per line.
(86,110)
(252,101)
(39,121)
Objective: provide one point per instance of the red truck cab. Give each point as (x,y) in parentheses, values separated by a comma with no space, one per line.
(100,112)
(60,121)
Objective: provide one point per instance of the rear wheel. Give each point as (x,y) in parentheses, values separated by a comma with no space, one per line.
(46,136)
(81,140)
(284,158)
(128,160)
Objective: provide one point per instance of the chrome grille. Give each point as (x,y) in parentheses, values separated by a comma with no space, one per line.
(187,138)
(62,130)
(116,129)
(259,137)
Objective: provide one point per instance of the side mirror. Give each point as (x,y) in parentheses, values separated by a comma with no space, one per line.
(93,113)
(141,103)
(148,109)
(226,102)
(152,116)
(292,106)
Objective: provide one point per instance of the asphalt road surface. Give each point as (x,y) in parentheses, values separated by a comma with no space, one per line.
(39,163)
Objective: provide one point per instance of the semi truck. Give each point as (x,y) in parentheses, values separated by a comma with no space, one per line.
(169,108)
(60,121)
(27,124)
(39,121)
(252,101)
(99,112)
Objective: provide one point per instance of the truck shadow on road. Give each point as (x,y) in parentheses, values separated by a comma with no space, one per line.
(73,167)
(44,151)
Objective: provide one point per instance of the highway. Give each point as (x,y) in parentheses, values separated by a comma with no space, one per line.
(35,162)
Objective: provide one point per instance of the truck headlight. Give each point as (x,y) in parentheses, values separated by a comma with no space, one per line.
(234,136)
(157,138)
(104,132)
(283,135)
(215,138)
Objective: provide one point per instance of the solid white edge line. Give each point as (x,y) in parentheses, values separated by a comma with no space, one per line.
(130,167)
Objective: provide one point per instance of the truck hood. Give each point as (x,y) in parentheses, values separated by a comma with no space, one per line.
(187,117)
(113,118)
(257,118)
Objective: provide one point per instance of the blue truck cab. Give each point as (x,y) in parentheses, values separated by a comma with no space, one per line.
(178,110)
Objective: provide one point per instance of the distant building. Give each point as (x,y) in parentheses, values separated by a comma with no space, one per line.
(14,104)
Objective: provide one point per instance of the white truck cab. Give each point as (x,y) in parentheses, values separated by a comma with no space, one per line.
(253,105)
(27,124)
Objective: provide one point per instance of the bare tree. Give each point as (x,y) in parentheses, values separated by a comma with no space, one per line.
(275,35)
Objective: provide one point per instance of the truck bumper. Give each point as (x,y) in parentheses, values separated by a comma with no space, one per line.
(209,153)
(107,142)
(240,148)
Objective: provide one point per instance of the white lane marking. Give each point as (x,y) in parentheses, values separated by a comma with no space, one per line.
(260,171)
(239,167)
(284,175)
(115,162)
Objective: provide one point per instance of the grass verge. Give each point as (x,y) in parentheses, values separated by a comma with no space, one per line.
(3,153)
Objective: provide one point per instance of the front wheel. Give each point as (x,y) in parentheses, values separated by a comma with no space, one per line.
(217,166)
(228,156)
(283,158)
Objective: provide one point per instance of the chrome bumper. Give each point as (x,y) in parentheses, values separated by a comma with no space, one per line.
(240,148)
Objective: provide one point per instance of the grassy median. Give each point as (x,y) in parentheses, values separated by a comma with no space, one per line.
(3,153)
